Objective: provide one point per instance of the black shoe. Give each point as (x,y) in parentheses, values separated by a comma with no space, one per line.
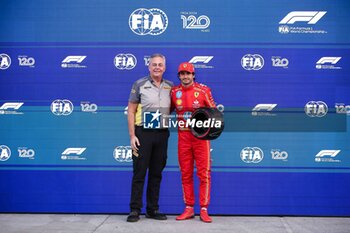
(134,216)
(155,214)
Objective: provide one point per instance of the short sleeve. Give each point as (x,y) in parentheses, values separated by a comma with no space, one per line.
(135,93)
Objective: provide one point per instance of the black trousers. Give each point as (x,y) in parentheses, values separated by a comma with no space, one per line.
(151,156)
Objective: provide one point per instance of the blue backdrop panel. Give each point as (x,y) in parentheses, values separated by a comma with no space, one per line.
(278,70)
(250,22)
(235,192)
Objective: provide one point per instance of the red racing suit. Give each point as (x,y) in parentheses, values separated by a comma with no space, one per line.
(190,149)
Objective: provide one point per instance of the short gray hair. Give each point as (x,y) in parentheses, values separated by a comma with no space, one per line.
(157,55)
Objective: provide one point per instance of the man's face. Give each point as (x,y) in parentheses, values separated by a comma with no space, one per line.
(156,67)
(186,78)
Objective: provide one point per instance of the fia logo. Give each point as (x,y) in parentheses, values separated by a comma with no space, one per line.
(125,61)
(5,153)
(316,109)
(151,120)
(122,154)
(252,62)
(283,29)
(61,107)
(5,61)
(148,21)
(252,155)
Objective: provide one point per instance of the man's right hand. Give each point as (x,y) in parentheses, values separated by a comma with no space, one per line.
(134,142)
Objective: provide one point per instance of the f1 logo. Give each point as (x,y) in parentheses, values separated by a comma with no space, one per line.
(13,105)
(331,153)
(77,151)
(264,107)
(204,59)
(311,17)
(77,59)
(332,60)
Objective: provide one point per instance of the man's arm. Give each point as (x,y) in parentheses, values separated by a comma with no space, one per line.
(209,98)
(172,105)
(134,141)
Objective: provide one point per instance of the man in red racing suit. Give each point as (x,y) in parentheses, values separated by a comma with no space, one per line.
(186,98)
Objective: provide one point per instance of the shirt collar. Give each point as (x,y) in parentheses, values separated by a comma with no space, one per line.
(152,81)
(189,87)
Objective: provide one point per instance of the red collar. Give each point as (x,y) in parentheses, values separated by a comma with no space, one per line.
(189,87)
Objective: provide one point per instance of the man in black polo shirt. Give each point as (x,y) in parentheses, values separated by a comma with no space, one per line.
(148,94)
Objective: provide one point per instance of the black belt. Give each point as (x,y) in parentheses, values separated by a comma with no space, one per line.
(151,130)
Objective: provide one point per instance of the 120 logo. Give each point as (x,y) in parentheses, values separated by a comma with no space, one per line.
(26,153)
(192,22)
(88,107)
(26,61)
